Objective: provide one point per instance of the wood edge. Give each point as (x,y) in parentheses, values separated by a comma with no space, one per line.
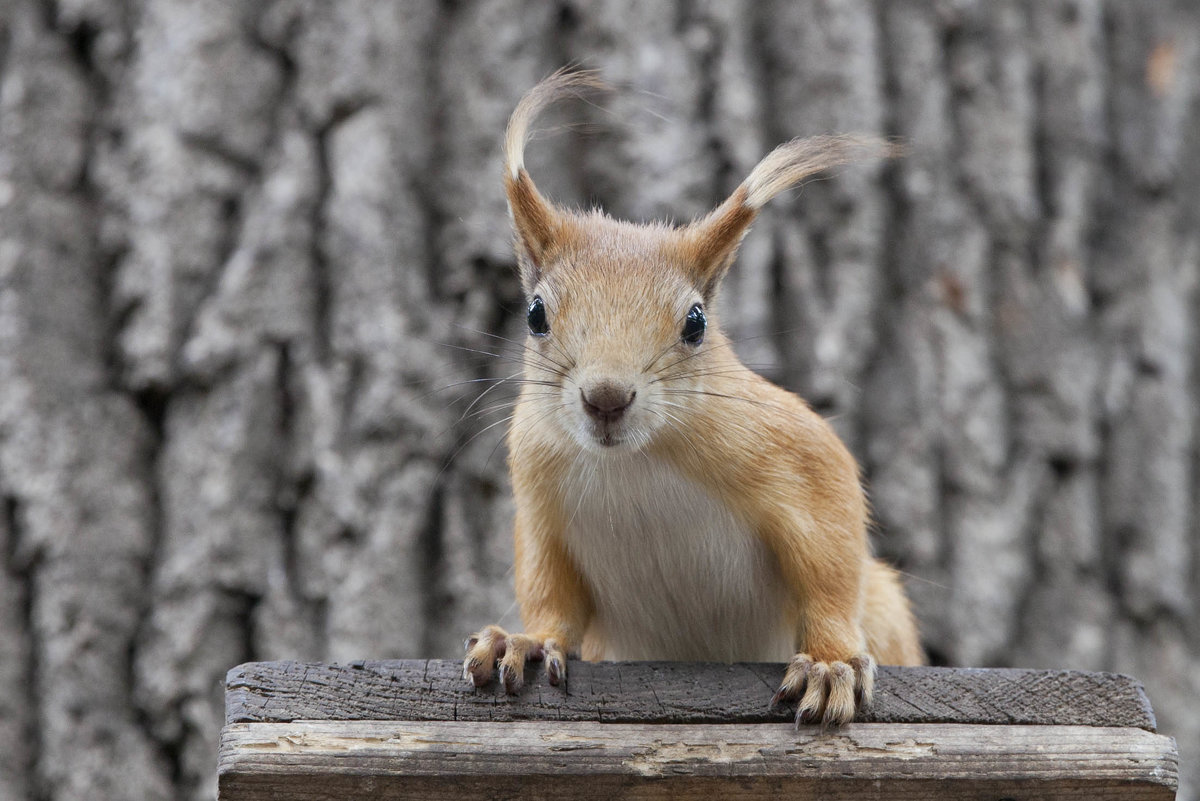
(1143,698)
(321,749)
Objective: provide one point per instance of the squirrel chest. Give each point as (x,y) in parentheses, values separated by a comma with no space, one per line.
(673,573)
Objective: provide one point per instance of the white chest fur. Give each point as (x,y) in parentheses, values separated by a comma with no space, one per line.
(673,573)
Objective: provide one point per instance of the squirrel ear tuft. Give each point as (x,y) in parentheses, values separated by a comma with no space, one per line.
(712,241)
(538,224)
(792,162)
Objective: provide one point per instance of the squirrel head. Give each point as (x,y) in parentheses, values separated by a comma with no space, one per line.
(623,337)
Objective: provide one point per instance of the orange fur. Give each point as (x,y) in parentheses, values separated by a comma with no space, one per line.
(701,435)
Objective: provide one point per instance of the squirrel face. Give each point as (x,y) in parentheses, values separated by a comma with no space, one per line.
(618,332)
(621,341)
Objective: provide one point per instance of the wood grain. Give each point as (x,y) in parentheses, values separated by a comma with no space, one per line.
(466,760)
(670,692)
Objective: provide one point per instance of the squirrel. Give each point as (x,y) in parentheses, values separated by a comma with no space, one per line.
(671,504)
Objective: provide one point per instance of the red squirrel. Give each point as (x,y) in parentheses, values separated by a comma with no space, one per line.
(670,503)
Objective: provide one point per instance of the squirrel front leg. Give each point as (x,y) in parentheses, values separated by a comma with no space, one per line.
(832,675)
(555,609)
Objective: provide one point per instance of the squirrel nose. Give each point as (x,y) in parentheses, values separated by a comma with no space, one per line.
(606,402)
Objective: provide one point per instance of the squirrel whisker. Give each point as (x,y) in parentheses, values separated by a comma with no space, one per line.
(732,371)
(726,396)
(560,371)
(528,349)
(484,394)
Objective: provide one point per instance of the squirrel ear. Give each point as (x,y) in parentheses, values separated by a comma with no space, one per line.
(538,224)
(712,241)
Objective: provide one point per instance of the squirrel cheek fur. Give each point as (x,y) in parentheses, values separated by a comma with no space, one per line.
(672,504)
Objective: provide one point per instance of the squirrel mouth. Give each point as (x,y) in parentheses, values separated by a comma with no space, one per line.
(607,435)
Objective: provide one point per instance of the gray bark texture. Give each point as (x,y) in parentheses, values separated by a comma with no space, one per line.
(250,252)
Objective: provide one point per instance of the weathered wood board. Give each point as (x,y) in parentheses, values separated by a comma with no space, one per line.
(462,760)
(414,729)
(670,692)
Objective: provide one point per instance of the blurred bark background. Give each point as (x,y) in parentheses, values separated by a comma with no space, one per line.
(247,249)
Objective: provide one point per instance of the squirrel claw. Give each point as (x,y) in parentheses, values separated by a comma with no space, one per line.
(510,679)
(554,670)
(483,650)
(494,649)
(829,693)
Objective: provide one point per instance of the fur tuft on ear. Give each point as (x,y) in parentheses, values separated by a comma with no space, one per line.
(713,241)
(792,162)
(535,220)
(564,83)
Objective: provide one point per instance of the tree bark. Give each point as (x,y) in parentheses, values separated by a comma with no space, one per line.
(251,253)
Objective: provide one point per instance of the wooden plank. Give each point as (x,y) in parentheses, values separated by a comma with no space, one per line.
(671,692)
(307,761)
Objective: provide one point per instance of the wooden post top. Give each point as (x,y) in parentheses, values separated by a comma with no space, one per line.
(414,729)
(670,692)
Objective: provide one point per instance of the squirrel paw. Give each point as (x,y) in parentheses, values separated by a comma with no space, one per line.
(828,692)
(493,645)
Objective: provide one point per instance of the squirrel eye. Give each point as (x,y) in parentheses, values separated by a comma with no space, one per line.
(694,326)
(539,326)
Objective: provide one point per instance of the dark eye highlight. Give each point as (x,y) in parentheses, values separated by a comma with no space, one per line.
(694,326)
(535,315)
